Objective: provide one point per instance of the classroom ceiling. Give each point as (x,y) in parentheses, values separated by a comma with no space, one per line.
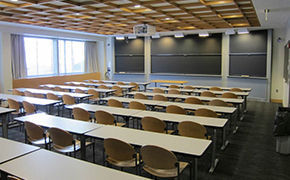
(118,17)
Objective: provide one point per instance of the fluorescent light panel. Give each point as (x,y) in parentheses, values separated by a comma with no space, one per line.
(120,37)
(178,35)
(203,34)
(132,37)
(230,32)
(155,36)
(243,31)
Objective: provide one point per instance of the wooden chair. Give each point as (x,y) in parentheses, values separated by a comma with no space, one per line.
(136,88)
(159,97)
(101,82)
(29,94)
(137,105)
(192,129)
(46,87)
(174,91)
(140,96)
(104,117)
(102,86)
(236,90)
(63,142)
(17,92)
(175,109)
(229,95)
(13,178)
(67,100)
(174,86)
(218,102)
(161,162)
(206,112)
(81,114)
(121,154)
(77,90)
(60,89)
(154,124)
(36,134)
(188,87)
(120,83)
(207,94)
(29,108)
(115,103)
(13,104)
(54,97)
(91,81)
(95,98)
(83,85)
(72,84)
(214,88)
(158,90)
(119,92)
(193,100)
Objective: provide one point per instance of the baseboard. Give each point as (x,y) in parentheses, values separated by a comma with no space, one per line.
(276,101)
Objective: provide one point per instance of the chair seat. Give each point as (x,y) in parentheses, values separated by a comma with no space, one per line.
(94,99)
(129,163)
(70,148)
(40,141)
(169,131)
(121,124)
(166,173)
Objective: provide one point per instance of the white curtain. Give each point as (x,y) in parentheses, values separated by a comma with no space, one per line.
(91,61)
(19,69)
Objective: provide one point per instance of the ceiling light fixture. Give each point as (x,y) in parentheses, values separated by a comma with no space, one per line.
(230,32)
(243,31)
(203,34)
(155,36)
(179,35)
(132,37)
(120,37)
(266,13)
(137,6)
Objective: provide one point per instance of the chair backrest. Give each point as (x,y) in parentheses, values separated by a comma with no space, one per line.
(136,88)
(13,104)
(207,94)
(153,124)
(191,129)
(174,91)
(140,96)
(188,87)
(34,132)
(13,178)
(174,86)
(158,157)
(17,92)
(115,103)
(158,90)
(60,137)
(91,81)
(137,105)
(236,90)
(104,117)
(229,95)
(77,90)
(159,97)
(119,90)
(102,86)
(56,88)
(101,82)
(175,109)
(81,114)
(118,150)
(94,93)
(46,87)
(28,107)
(29,94)
(214,88)
(68,100)
(193,100)
(205,112)
(72,84)
(121,83)
(52,96)
(218,102)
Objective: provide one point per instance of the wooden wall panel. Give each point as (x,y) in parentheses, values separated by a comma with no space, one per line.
(59,80)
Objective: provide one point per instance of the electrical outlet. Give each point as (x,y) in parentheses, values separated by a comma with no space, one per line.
(276,90)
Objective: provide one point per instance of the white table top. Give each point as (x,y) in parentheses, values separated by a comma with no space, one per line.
(6,110)
(208,87)
(177,118)
(75,87)
(48,165)
(70,125)
(151,94)
(207,99)
(128,100)
(96,84)
(179,144)
(11,149)
(35,101)
(115,82)
(58,93)
(167,89)
(187,106)
(222,92)
(112,110)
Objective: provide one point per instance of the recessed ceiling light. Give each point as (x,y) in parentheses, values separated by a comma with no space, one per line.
(178,35)
(132,37)
(243,31)
(137,6)
(167,18)
(120,37)
(155,36)
(14,0)
(230,32)
(203,34)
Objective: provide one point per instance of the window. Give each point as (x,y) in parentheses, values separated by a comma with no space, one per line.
(46,56)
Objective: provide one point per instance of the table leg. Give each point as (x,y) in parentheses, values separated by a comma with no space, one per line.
(83,147)
(245,103)
(5,125)
(4,175)
(224,141)
(194,167)
(214,161)
(235,121)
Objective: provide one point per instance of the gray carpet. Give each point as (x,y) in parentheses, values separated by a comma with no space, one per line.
(251,154)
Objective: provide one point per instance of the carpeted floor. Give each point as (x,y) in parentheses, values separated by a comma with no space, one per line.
(251,154)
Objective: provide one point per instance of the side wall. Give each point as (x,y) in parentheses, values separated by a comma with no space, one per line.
(286,86)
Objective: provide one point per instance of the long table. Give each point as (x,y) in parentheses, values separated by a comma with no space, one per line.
(70,125)
(208,87)
(3,113)
(48,165)
(145,84)
(127,87)
(184,145)
(168,81)
(167,89)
